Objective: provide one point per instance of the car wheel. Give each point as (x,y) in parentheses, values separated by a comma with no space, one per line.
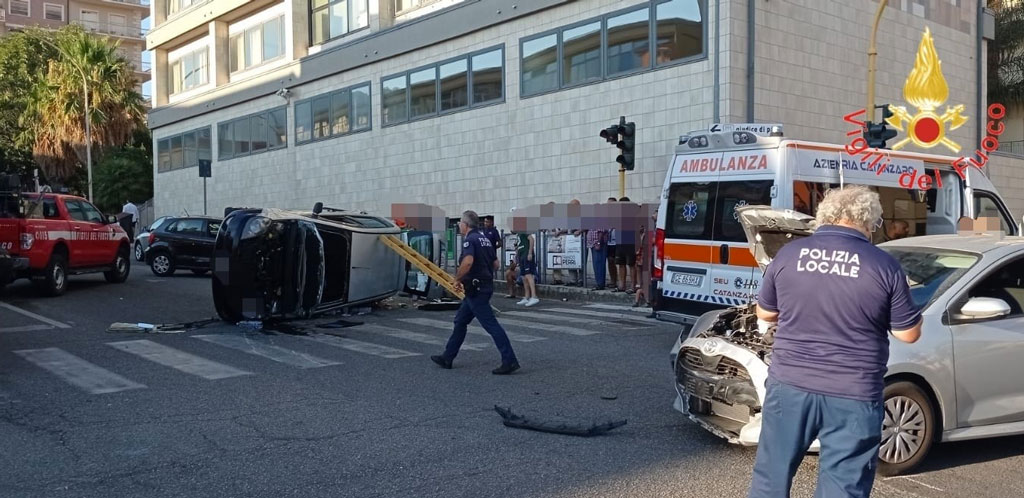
(55,277)
(121,267)
(139,253)
(162,264)
(908,428)
(200,272)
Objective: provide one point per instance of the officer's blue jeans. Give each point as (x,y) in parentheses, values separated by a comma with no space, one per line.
(479,307)
(849,432)
(600,259)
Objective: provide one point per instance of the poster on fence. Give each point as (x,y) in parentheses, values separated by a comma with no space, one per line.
(568,254)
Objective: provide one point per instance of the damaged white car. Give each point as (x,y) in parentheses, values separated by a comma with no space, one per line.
(959,381)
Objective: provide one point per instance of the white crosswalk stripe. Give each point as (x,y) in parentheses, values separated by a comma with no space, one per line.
(414,336)
(619,307)
(563,329)
(615,316)
(257,345)
(473,329)
(573,319)
(178,360)
(78,372)
(360,346)
(26,328)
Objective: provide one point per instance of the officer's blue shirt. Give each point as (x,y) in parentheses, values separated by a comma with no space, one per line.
(493,235)
(477,244)
(837,296)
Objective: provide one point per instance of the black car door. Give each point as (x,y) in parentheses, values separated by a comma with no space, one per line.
(204,244)
(183,238)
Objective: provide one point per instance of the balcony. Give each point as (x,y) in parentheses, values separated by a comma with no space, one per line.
(129,3)
(120,30)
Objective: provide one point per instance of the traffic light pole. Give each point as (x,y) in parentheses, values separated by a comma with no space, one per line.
(622,182)
(872,55)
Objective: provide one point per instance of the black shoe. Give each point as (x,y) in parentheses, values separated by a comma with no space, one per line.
(444,362)
(506,368)
(598,288)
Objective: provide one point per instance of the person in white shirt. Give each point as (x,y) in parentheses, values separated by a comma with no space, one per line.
(130,208)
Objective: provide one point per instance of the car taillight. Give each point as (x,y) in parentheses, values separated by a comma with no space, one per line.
(152,237)
(659,254)
(27,240)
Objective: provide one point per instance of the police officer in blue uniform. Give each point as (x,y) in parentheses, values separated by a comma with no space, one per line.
(836,297)
(475,276)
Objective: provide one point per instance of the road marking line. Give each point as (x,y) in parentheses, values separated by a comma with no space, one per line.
(578,320)
(78,372)
(473,329)
(915,481)
(26,328)
(256,345)
(178,360)
(41,318)
(616,316)
(414,336)
(619,307)
(549,327)
(360,346)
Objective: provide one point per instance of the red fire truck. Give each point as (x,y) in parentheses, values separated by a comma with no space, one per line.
(49,236)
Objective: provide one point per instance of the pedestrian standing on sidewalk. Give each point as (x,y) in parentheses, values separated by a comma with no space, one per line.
(525,251)
(475,277)
(826,377)
(625,258)
(511,274)
(596,242)
(611,243)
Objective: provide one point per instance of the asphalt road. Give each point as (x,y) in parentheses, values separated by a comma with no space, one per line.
(362,412)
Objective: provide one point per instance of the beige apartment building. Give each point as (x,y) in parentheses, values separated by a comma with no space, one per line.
(119,19)
(496,104)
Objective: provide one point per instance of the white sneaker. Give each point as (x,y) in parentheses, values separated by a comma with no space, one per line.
(523,301)
(532,302)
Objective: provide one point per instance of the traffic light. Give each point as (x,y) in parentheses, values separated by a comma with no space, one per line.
(627,145)
(611,134)
(876,134)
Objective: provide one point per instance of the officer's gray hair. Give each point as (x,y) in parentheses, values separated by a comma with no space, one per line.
(471,219)
(855,205)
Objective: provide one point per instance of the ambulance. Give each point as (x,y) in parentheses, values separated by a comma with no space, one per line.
(702,261)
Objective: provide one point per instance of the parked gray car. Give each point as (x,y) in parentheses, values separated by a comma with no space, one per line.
(142,239)
(961,380)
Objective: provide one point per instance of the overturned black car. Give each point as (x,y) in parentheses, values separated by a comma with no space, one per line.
(276,264)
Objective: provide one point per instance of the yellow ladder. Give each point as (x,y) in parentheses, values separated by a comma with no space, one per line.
(425,265)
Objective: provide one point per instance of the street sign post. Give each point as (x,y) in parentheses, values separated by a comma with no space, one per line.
(205,171)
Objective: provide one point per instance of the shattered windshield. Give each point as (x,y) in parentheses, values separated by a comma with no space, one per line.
(930,271)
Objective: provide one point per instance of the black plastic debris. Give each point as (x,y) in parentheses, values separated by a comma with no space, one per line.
(338,324)
(160,328)
(441,306)
(554,426)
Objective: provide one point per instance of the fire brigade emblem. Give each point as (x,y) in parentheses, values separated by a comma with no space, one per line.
(690,211)
(926,89)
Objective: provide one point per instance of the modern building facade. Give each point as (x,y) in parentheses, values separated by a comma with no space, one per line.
(118,19)
(495,104)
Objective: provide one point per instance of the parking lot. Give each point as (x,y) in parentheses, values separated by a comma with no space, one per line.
(360,410)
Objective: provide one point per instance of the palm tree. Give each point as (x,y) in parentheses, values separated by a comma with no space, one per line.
(1006,53)
(55,113)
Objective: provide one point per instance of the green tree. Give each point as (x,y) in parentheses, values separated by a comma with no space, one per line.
(1006,53)
(23,58)
(124,174)
(54,117)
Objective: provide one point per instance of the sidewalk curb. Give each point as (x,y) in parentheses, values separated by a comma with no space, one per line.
(573,294)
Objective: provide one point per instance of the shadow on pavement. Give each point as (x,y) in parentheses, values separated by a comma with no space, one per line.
(950,455)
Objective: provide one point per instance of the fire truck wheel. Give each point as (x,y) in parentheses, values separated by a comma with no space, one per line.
(119,272)
(55,276)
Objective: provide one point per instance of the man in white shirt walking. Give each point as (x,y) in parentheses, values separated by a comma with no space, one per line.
(130,208)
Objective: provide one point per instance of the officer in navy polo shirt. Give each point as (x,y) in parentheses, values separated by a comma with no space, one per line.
(836,297)
(475,276)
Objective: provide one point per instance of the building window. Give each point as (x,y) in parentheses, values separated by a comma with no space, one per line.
(252,134)
(257,45)
(468,81)
(615,44)
(184,150)
(334,114)
(406,6)
(51,12)
(189,71)
(330,19)
(20,8)
(172,7)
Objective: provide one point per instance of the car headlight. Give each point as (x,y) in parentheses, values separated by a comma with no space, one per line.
(255,227)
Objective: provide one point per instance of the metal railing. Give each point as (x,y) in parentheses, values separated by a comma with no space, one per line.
(1015,147)
(113,29)
(3,15)
(400,7)
(130,2)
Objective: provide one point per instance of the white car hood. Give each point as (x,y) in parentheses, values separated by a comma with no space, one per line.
(769,229)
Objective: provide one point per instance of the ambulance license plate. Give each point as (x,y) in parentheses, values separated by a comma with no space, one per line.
(687,279)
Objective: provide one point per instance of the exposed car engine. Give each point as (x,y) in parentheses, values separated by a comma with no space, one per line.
(738,325)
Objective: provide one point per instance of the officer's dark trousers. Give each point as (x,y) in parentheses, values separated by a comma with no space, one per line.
(849,432)
(600,259)
(479,307)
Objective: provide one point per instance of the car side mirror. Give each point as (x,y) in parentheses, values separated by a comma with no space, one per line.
(984,308)
(111,219)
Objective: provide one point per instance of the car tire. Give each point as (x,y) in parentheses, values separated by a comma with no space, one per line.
(162,264)
(200,272)
(140,254)
(908,428)
(55,278)
(121,268)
